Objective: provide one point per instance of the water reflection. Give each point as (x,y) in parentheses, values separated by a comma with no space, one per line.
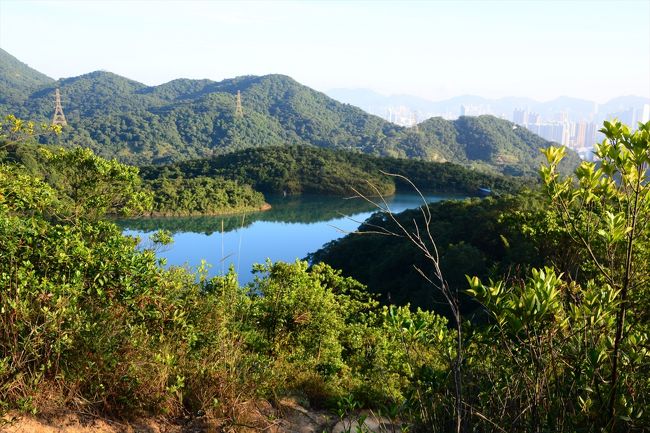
(298,209)
(294,227)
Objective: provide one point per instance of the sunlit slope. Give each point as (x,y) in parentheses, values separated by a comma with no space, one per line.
(17,80)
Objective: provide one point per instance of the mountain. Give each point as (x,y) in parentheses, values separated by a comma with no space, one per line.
(17,80)
(575,108)
(623,103)
(183,119)
(377,103)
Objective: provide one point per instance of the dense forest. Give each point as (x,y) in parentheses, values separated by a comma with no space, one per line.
(58,168)
(236,182)
(184,119)
(202,196)
(481,237)
(307,169)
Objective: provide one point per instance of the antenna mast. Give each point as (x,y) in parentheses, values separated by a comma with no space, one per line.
(59,117)
(414,117)
(238,110)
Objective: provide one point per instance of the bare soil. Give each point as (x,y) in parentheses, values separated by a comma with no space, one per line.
(75,423)
(288,417)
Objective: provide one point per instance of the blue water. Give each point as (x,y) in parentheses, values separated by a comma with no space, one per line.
(293,228)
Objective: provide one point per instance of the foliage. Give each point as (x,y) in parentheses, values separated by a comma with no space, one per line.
(570,352)
(512,150)
(306,169)
(564,346)
(540,365)
(474,237)
(96,186)
(89,319)
(605,214)
(559,343)
(14,132)
(281,170)
(202,196)
(17,80)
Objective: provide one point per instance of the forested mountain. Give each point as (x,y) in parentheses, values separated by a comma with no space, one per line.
(184,119)
(17,80)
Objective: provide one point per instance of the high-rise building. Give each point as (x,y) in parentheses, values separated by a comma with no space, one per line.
(581,133)
(562,117)
(547,131)
(520,117)
(475,110)
(557,132)
(628,116)
(590,134)
(563,133)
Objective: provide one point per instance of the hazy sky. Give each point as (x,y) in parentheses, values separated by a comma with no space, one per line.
(436,49)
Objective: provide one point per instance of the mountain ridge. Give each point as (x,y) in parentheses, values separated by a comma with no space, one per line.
(183,119)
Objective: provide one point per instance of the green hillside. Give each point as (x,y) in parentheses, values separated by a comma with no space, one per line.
(308,169)
(472,237)
(184,119)
(17,80)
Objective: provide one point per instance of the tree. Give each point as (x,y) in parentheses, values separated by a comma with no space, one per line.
(14,130)
(421,237)
(606,213)
(567,352)
(96,186)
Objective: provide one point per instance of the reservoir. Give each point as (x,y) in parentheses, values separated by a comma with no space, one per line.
(291,229)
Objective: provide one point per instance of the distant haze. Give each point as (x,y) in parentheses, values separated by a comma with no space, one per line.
(592,50)
(574,108)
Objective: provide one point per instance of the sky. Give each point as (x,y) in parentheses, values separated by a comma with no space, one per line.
(594,50)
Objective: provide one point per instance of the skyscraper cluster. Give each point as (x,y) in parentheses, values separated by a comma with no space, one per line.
(578,135)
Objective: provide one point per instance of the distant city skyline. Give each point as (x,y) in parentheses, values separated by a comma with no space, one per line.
(594,50)
(388,94)
(572,122)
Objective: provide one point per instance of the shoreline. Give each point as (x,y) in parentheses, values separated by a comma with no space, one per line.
(265,207)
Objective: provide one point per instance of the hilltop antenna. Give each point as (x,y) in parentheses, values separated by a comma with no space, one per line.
(414,117)
(238,110)
(59,117)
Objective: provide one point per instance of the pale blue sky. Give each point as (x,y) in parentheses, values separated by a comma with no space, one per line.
(436,49)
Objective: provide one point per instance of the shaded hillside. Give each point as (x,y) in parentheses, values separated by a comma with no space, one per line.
(472,237)
(308,169)
(184,119)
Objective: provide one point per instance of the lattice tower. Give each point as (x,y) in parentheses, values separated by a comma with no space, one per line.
(59,117)
(238,110)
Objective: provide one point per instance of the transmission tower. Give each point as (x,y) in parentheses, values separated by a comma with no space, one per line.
(238,110)
(414,118)
(59,117)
